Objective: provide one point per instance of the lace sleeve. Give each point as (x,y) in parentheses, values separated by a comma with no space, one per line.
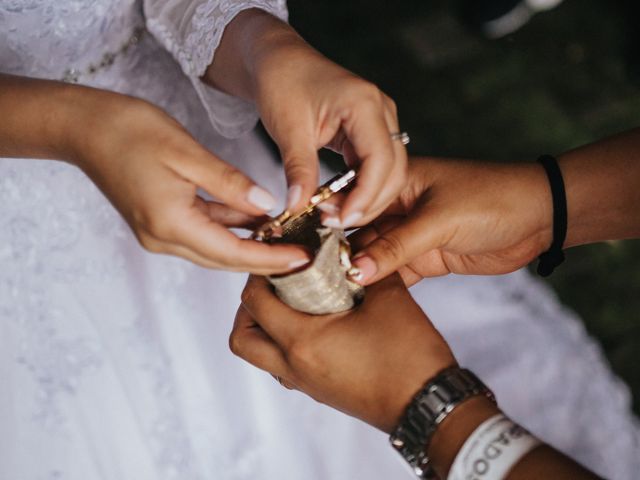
(191,30)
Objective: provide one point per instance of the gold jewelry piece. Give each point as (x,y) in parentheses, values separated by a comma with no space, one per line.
(326,285)
(402,136)
(326,191)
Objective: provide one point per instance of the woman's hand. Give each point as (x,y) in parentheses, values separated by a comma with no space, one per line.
(368,362)
(459,217)
(150,168)
(307,102)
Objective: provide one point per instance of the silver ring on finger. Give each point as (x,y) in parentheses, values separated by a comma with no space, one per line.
(402,136)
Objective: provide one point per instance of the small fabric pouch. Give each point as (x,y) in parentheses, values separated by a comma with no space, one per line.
(323,287)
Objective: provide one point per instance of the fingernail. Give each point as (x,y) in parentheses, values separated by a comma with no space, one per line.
(332,222)
(355,275)
(299,263)
(261,198)
(351,219)
(293,196)
(367,267)
(328,208)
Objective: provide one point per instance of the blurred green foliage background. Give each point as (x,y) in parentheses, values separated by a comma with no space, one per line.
(569,77)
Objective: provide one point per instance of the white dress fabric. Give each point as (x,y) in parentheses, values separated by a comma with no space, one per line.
(114,362)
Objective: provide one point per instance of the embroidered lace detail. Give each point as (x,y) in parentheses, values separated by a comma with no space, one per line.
(211,18)
(170,443)
(48,38)
(58,358)
(202,38)
(194,46)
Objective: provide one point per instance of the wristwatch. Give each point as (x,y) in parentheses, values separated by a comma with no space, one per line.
(430,406)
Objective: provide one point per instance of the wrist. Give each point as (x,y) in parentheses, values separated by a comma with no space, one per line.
(538,205)
(96,119)
(279,56)
(401,393)
(249,44)
(440,418)
(452,433)
(78,124)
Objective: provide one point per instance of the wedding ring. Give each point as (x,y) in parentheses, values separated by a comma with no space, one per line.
(402,136)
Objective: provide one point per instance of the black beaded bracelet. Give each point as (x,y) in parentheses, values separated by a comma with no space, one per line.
(553,257)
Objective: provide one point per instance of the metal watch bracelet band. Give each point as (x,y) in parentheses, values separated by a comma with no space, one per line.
(430,406)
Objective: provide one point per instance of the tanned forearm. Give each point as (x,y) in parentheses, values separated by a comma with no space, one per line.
(47,119)
(602,181)
(542,462)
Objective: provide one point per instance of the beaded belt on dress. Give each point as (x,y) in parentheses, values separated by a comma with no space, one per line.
(73,75)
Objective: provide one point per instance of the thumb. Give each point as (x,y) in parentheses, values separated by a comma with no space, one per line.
(392,281)
(395,248)
(300,159)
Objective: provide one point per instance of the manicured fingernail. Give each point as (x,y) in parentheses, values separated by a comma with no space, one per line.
(367,267)
(351,219)
(299,263)
(261,198)
(329,208)
(332,222)
(355,275)
(293,196)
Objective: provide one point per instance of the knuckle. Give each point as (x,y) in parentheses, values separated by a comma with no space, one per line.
(156,224)
(362,92)
(371,92)
(235,343)
(298,168)
(302,354)
(391,105)
(247,294)
(150,244)
(391,248)
(162,228)
(232,179)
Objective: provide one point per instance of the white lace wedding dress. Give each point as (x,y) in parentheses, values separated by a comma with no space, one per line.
(114,362)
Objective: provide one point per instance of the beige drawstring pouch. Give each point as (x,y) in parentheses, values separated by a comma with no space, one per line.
(323,286)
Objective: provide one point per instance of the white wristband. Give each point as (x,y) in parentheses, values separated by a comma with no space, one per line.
(492,450)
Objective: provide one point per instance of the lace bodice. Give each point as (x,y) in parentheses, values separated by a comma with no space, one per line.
(46,39)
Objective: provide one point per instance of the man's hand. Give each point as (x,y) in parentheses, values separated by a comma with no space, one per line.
(459,217)
(367,362)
